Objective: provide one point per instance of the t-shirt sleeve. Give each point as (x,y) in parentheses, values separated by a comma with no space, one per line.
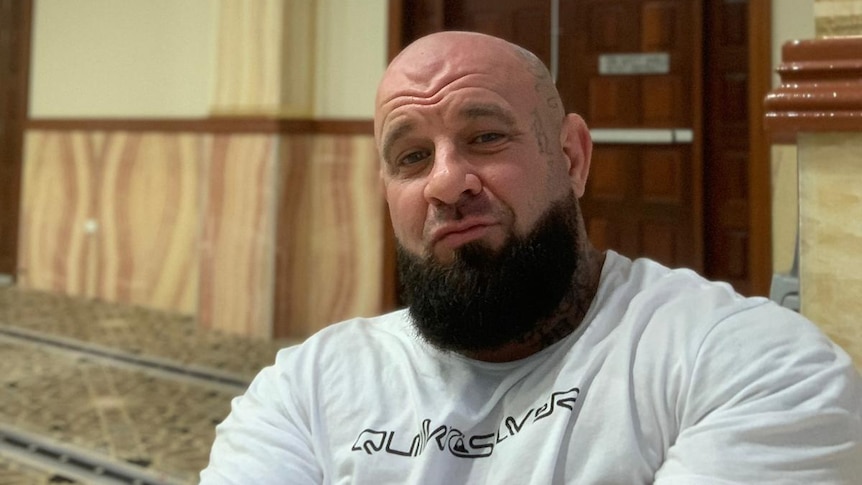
(265,438)
(769,400)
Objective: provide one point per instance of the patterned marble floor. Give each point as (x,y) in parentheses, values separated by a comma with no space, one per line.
(15,473)
(135,330)
(135,415)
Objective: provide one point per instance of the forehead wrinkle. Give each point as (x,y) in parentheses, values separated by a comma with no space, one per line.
(412,96)
(474,111)
(433,91)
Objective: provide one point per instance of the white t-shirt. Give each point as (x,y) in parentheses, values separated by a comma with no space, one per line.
(670,379)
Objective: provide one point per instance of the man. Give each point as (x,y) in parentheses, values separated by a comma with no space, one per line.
(526,356)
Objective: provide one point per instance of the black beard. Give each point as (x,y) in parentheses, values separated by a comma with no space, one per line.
(487,298)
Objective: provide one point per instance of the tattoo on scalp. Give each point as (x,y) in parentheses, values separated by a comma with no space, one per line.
(540,133)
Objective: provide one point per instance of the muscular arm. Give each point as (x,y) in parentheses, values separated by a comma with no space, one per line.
(264,440)
(770,400)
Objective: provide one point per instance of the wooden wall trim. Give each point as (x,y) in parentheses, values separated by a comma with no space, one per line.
(821,88)
(208,125)
(759,169)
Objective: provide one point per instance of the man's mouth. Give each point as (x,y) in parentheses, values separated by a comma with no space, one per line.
(452,236)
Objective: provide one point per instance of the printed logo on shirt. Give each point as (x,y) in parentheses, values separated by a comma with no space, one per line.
(450,439)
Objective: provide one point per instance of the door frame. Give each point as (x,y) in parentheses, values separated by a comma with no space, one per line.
(12,156)
(759,158)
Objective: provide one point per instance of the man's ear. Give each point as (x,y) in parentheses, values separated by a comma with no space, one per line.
(578,148)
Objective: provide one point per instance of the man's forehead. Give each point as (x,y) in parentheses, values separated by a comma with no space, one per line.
(460,102)
(425,71)
(436,57)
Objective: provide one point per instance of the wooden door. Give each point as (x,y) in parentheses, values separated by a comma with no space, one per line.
(628,67)
(682,202)
(726,141)
(14,61)
(642,199)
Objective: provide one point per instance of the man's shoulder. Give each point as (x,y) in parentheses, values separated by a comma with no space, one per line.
(667,305)
(394,324)
(355,337)
(645,287)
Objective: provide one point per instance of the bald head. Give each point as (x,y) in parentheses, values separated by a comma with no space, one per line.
(427,67)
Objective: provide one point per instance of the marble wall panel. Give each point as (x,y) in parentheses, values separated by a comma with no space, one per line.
(331,230)
(238,238)
(112,216)
(55,252)
(785,207)
(186,222)
(264,58)
(830,207)
(147,213)
(837,17)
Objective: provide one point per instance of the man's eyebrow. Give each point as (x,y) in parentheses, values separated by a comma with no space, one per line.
(474,111)
(392,135)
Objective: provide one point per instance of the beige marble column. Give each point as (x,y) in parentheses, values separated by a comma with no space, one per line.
(819,104)
(265,59)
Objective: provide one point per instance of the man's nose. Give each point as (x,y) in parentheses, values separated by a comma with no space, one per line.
(451,178)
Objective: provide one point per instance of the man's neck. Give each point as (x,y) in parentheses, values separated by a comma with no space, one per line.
(565,320)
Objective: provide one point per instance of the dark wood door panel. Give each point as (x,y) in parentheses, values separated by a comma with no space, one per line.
(524,22)
(726,140)
(612,101)
(641,199)
(591,28)
(640,175)
(658,239)
(709,44)
(711,239)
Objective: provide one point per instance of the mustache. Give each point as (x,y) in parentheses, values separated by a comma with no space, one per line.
(468,205)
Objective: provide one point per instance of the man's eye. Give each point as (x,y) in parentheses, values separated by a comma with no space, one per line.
(413,157)
(487,137)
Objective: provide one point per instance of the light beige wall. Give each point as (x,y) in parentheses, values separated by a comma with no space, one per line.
(191,58)
(351,57)
(122,58)
(791,20)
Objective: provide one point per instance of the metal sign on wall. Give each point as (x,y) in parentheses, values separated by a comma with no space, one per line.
(626,64)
